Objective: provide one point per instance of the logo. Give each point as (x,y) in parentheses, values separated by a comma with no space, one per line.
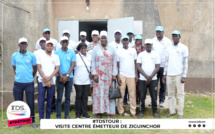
(28,61)
(68,58)
(18,110)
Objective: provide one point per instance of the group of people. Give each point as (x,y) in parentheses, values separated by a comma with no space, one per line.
(134,65)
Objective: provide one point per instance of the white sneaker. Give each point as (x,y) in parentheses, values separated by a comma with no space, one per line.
(161,104)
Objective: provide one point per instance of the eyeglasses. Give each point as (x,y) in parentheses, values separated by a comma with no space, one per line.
(47,33)
(117,34)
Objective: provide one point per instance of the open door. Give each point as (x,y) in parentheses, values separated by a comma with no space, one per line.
(122,24)
(72,26)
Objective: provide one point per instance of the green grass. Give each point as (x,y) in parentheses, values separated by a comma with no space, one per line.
(196,106)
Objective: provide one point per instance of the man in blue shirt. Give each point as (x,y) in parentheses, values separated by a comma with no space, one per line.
(65,75)
(24,66)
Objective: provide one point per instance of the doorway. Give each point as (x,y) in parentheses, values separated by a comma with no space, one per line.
(89,26)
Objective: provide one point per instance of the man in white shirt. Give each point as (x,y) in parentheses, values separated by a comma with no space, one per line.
(47,34)
(83,36)
(130,34)
(160,43)
(48,66)
(148,63)
(126,63)
(37,53)
(71,42)
(175,71)
(117,43)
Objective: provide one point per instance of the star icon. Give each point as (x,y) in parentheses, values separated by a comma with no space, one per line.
(204,125)
(194,125)
(189,125)
(199,125)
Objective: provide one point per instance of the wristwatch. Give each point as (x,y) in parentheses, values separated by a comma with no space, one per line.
(67,75)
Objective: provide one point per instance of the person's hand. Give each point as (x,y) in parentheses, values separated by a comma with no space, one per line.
(46,79)
(95,79)
(164,79)
(183,80)
(48,84)
(136,79)
(113,78)
(119,81)
(149,79)
(66,79)
(61,78)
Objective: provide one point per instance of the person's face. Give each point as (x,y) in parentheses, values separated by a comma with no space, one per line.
(176,38)
(49,47)
(23,46)
(130,35)
(83,38)
(159,34)
(42,44)
(83,50)
(138,41)
(66,34)
(117,36)
(46,34)
(103,40)
(64,43)
(148,47)
(95,37)
(125,42)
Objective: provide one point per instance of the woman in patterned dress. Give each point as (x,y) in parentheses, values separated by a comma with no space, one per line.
(104,70)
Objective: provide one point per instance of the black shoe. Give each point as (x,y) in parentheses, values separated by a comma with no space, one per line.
(67,117)
(140,115)
(87,116)
(156,115)
(125,103)
(78,116)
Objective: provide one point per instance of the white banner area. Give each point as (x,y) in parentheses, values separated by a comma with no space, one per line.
(126,123)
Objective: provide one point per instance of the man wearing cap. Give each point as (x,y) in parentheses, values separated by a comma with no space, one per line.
(117,43)
(148,63)
(175,71)
(83,36)
(24,66)
(127,74)
(65,75)
(130,34)
(95,42)
(48,66)
(46,34)
(160,43)
(71,42)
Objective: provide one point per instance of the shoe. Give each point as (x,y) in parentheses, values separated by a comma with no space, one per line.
(86,116)
(78,116)
(156,115)
(169,115)
(125,103)
(134,116)
(67,117)
(99,116)
(112,116)
(180,116)
(18,126)
(150,104)
(121,115)
(140,115)
(34,125)
(161,104)
(38,127)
